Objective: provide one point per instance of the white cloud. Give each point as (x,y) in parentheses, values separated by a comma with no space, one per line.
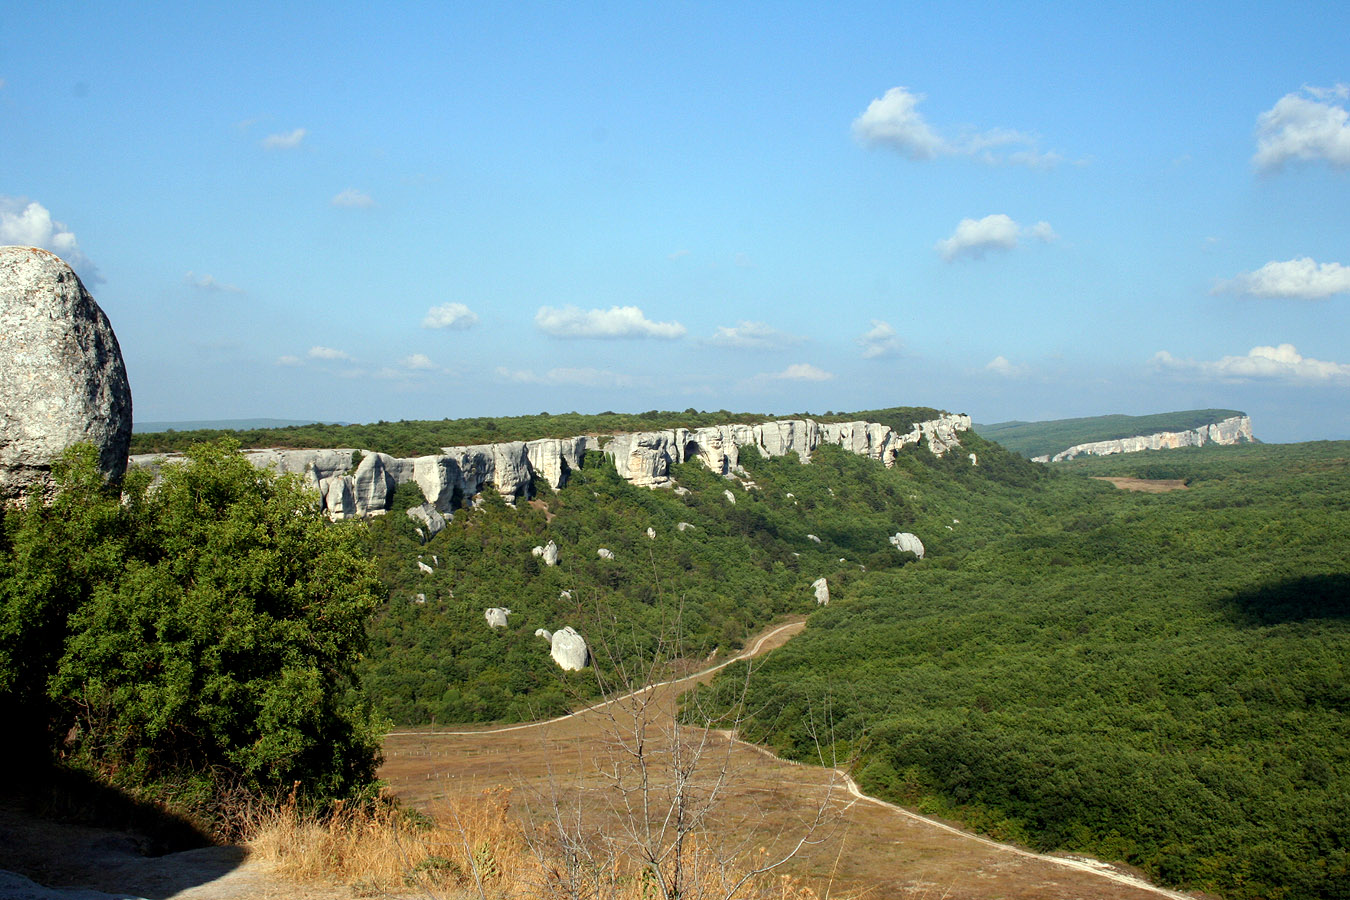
(351,198)
(288,361)
(678,254)
(418,361)
(975,237)
(752,336)
(31,225)
(327,353)
(450,315)
(1302,279)
(287,141)
(802,372)
(1000,365)
(210,284)
(577,377)
(1299,128)
(893,121)
(880,340)
(1283,363)
(615,322)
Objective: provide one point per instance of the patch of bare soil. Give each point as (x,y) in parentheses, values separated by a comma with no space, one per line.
(1144,485)
(543,508)
(868,848)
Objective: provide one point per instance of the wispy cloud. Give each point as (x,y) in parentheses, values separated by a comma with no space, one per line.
(975,237)
(287,141)
(893,121)
(802,372)
(417,362)
(1282,363)
(351,198)
(31,225)
(328,353)
(1302,279)
(209,284)
(290,361)
(752,336)
(455,316)
(879,341)
(1000,365)
(576,377)
(1309,126)
(615,322)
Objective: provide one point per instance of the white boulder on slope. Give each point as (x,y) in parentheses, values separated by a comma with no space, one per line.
(569,649)
(904,541)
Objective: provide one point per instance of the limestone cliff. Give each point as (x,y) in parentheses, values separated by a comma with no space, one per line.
(362,483)
(1234,430)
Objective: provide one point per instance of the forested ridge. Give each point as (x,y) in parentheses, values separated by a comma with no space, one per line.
(1047,438)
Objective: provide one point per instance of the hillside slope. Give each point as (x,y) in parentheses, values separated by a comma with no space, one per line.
(1047,438)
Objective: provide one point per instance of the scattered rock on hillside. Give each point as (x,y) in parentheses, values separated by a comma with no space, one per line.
(429,516)
(569,649)
(822,589)
(62,379)
(904,541)
(424,568)
(604,553)
(496,616)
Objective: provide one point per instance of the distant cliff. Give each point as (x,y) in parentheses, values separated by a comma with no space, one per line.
(1233,430)
(353,482)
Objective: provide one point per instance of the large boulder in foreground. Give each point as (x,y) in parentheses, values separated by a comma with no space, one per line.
(62,380)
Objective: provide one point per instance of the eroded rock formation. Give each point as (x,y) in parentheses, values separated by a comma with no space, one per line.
(1233,430)
(822,589)
(906,542)
(62,379)
(569,649)
(496,616)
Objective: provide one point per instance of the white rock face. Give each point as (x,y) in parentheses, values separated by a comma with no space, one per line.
(430,518)
(554,459)
(604,553)
(1234,430)
(906,542)
(424,568)
(62,379)
(496,616)
(569,649)
(336,496)
(731,498)
(550,554)
(822,589)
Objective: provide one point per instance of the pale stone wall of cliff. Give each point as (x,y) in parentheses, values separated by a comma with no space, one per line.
(1234,430)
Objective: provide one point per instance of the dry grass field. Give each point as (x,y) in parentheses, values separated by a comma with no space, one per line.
(856,847)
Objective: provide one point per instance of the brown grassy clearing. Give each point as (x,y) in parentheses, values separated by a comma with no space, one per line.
(1144,485)
(866,850)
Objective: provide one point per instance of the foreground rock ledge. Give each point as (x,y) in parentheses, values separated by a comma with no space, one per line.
(62,380)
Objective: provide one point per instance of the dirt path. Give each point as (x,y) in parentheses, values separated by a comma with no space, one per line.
(898,852)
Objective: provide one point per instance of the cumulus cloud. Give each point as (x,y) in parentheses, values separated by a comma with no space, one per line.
(1282,363)
(879,340)
(975,237)
(328,353)
(1308,125)
(351,198)
(802,372)
(1000,365)
(576,377)
(418,361)
(893,121)
(752,336)
(1301,279)
(287,141)
(450,315)
(615,322)
(31,225)
(209,284)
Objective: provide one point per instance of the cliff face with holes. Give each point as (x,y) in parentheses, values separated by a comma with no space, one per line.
(1234,430)
(361,483)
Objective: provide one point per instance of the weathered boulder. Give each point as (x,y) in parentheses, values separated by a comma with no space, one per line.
(731,498)
(683,526)
(906,542)
(651,533)
(564,595)
(62,379)
(550,554)
(812,537)
(496,616)
(569,649)
(424,568)
(822,589)
(429,516)
(605,553)
(337,498)
(544,633)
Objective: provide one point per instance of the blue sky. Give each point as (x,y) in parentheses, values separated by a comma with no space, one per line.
(361,212)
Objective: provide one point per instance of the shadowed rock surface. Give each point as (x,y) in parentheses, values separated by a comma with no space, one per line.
(62,379)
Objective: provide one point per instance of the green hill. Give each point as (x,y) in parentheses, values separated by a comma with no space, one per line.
(1045,438)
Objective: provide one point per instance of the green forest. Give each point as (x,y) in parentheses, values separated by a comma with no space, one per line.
(1033,439)
(1153,678)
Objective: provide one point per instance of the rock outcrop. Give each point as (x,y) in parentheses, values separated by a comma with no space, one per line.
(457,476)
(496,616)
(822,589)
(605,553)
(1233,430)
(569,649)
(429,516)
(62,379)
(906,542)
